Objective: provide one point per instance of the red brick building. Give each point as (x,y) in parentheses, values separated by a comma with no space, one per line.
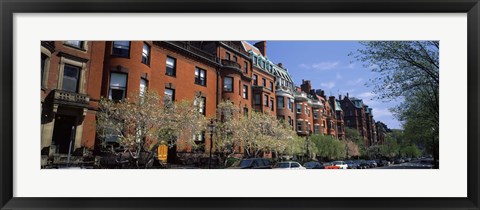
(76,74)
(340,129)
(263,80)
(71,72)
(359,116)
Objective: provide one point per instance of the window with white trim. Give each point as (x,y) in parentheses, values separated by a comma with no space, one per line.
(315,114)
(299,126)
(299,108)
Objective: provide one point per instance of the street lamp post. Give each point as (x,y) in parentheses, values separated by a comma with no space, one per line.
(211,126)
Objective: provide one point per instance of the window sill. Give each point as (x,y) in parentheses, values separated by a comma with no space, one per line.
(201,85)
(171,75)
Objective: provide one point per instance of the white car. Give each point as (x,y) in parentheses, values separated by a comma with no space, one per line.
(289,165)
(341,164)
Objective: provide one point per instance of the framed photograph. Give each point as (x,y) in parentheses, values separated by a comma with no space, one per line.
(158,104)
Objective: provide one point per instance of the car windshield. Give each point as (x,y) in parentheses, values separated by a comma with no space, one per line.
(338,163)
(282,165)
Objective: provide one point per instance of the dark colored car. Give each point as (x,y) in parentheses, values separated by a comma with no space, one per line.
(382,163)
(352,164)
(372,163)
(398,161)
(362,164)
(313,165)
(252,163)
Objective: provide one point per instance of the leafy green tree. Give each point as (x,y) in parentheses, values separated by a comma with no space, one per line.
(411,151)
(390,148)
(373,152)
(327,147)
(408,70)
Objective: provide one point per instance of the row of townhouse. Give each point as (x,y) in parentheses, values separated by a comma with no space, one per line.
(76,74)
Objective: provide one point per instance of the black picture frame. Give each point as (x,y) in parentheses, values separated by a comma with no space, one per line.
(10,7)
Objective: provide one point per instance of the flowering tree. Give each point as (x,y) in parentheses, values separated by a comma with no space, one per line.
(262,132)
(132,121)
(252,134)
(352,149)
(142,121)
(184,122)
(225,143)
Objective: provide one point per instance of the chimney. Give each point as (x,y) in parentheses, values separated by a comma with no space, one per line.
(306,86)
(280,65)
(339,97)
(347,94)
(262,46)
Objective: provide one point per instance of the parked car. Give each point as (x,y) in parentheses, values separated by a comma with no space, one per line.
(288,165)
(352,164)
(330,165)
(362,164)
(313,165)
(398,161)
(340,163)
(382,163)
(372,163)
(252,163)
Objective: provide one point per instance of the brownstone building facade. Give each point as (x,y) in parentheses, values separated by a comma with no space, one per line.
(71,75)
(76,74)
(359,116)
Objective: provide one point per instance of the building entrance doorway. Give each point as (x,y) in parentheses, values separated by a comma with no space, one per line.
(172,154)
(63,132)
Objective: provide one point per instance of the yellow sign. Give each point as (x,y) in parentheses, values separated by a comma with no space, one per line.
(162,152)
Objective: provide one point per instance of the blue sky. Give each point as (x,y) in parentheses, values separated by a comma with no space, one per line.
(327,65)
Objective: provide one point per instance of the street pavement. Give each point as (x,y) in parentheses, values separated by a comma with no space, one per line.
(416,164)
